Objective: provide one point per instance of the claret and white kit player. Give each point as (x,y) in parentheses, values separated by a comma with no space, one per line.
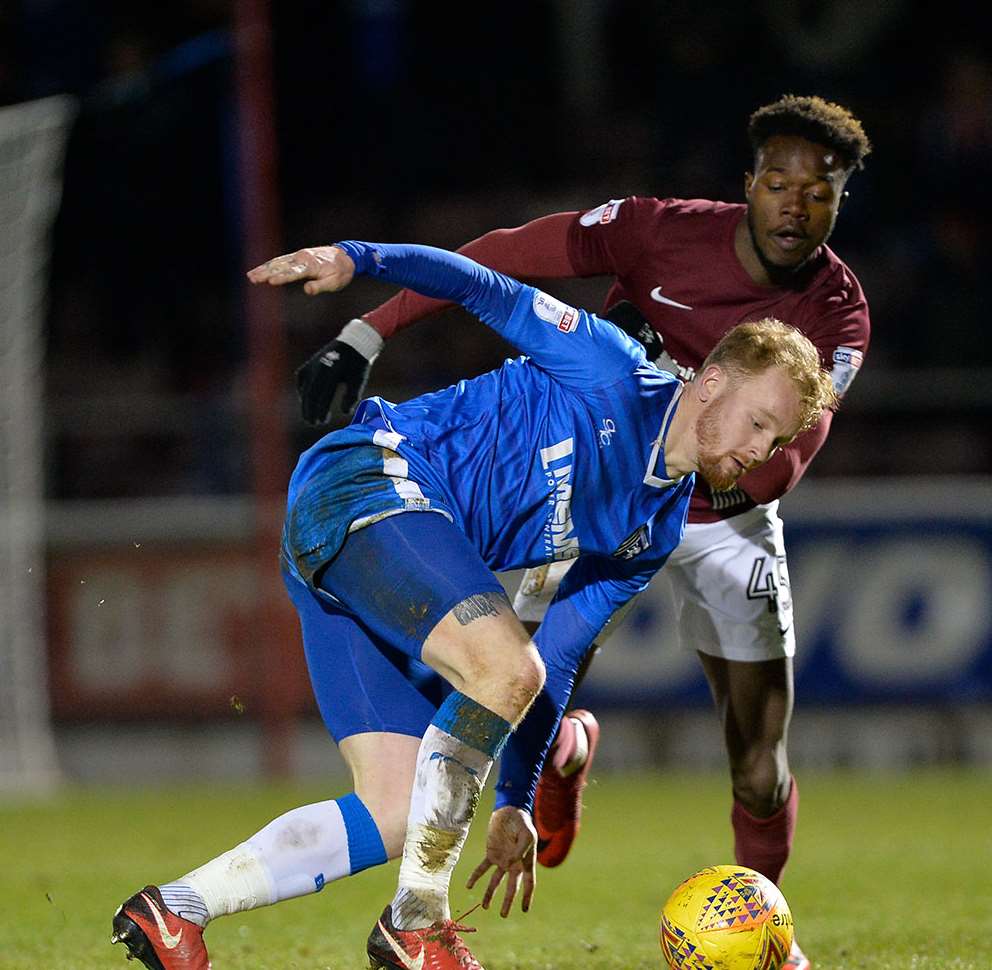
(685,272)
(422,671)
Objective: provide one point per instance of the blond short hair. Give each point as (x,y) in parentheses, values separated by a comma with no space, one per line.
(751,348)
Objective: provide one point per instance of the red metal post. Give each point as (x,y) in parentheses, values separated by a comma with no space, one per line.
(260,212)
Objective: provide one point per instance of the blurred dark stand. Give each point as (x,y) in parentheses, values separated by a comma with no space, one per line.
(436,122)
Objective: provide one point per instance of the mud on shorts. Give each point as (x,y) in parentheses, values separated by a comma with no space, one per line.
(368,595)
(730,585)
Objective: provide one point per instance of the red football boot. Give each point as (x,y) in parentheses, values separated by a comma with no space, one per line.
(157,937)
(434,947)
(558,802)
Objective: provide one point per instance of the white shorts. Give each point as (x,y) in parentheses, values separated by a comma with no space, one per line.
(730,585)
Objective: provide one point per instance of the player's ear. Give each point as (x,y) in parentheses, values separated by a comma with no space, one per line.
(709,382)
(748,184)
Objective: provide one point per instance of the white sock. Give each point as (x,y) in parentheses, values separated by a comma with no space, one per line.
(449,780)
(293,855)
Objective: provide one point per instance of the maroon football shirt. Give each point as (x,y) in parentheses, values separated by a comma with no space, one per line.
(674,259)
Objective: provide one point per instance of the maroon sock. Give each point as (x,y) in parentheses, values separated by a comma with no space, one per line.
(764,843)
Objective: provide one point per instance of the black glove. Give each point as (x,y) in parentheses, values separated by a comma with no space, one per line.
(332,381)
(632,322)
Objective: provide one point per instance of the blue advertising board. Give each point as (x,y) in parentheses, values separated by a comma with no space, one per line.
(892,590)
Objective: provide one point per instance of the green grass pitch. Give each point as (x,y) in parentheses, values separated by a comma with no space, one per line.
(889,872)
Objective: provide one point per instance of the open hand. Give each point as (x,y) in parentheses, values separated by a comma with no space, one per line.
(326,269)
(511,851)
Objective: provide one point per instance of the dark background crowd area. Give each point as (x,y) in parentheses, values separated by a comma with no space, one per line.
(434,122)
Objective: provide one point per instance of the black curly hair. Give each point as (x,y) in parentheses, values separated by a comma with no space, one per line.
(816,120)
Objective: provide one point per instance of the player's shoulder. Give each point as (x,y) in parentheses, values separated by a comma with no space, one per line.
(645,226)
(649,381)
(837,288)
(700,208)
(643,207)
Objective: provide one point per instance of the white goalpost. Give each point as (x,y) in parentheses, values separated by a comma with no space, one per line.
(32,145)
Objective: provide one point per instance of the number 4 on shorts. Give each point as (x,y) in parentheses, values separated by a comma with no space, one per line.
(763,584)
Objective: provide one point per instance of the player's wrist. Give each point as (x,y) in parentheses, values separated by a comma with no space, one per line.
(518,801)
(363,338)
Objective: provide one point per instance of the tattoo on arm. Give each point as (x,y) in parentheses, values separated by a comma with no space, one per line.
(479,604)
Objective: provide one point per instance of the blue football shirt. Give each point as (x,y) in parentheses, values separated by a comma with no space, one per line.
(555,455)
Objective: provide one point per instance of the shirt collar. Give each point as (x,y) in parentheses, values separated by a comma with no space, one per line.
(657,450)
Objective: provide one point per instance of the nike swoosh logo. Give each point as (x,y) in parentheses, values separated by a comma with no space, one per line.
(440,756)
(171,940)
(411,963)
(658,298)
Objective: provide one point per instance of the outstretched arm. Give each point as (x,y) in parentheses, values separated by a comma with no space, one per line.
(592,592)
(575,347)
(491,296)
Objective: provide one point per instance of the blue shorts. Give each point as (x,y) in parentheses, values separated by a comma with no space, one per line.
(348,484)
(365,625)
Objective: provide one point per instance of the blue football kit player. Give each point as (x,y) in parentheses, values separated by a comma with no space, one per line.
(422,672)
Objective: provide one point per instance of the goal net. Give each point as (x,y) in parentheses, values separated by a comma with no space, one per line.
(32,144)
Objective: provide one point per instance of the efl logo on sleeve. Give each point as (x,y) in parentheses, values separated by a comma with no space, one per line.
(559,315)
(602,214)
(847,363)
(637,542)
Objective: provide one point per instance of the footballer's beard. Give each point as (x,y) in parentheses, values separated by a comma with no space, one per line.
(719,471)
